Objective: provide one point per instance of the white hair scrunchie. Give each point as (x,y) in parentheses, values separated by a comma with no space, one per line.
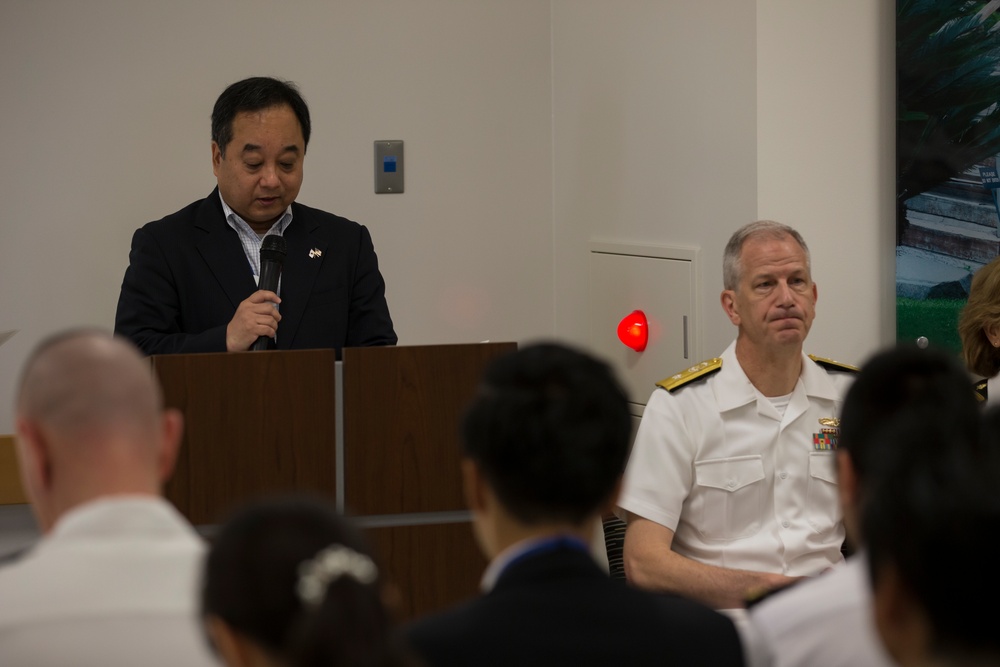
(329,565)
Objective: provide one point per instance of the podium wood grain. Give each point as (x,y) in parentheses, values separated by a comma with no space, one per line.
(265,422)
(431,567)
(255,423)
(402,410)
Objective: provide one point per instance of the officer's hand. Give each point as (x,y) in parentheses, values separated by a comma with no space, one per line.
(255,317)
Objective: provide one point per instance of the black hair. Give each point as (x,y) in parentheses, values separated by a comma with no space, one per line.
(905,377)
(931,512)
(550,431)
(255,94)
(251,582)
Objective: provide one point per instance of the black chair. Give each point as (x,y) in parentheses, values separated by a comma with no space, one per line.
(614,542)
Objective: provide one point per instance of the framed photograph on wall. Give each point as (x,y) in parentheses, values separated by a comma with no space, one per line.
(947,145)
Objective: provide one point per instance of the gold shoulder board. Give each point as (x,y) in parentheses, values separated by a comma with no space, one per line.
(701,370)
(832,365)
(980,389)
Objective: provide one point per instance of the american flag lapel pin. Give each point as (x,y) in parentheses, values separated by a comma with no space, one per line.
(314,253)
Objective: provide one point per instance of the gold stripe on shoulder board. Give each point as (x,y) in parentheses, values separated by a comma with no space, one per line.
(980,389)
(697,371)
(834,365)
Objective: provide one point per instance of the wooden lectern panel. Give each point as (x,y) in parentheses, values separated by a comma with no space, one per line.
(431,567)
(402,409)
(255,423)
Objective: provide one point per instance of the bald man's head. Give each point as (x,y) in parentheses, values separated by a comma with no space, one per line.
(85,383)
(91,423)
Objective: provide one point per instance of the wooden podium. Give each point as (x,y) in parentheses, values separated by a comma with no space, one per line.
(376,432)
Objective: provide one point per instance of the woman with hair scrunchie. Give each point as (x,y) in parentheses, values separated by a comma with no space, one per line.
(290,583)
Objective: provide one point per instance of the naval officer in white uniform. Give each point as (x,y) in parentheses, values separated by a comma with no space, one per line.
(731,485)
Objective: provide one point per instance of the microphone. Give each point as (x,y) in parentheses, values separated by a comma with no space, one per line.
(272,255)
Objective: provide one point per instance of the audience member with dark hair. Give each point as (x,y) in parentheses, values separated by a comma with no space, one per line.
(113,580)
(289,582)
(827,621)
(932,524)
(545,444)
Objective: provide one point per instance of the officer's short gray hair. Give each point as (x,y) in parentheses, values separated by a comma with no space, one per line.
(732,269)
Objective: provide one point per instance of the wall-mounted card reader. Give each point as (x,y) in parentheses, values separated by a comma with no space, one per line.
(388,167)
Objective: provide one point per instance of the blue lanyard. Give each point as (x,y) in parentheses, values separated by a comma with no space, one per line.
(548,544)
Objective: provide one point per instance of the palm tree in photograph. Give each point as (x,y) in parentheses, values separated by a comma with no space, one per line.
(948,89)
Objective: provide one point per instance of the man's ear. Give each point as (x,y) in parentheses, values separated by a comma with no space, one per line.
(34,461)
(485,512)
(473,486)
(34,458)
(217,158)
(171,432)
(728,299)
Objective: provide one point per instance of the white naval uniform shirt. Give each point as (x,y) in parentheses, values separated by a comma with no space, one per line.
(740,485)
(115,583)
(823,621)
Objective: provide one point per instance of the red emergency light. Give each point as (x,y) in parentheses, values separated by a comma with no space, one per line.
(633,330)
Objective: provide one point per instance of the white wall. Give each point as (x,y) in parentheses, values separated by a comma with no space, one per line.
(826,158)
(655,140)
(531,127)
(677,122)
(106,106)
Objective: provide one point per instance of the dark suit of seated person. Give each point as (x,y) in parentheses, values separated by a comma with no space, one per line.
(545,444)
(191,284)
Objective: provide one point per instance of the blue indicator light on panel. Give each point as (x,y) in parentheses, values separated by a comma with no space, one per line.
(389,167)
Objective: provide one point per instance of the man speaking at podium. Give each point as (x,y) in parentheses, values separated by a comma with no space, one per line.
(191,284)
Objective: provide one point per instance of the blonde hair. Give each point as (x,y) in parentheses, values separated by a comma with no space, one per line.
(981,311)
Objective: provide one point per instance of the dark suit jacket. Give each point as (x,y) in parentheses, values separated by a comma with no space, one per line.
(559,608)
(188,273)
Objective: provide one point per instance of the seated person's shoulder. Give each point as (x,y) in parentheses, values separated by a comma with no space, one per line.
(981,390)
(691,376)
(831,365)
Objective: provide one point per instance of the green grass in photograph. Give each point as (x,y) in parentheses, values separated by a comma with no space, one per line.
(937,319)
